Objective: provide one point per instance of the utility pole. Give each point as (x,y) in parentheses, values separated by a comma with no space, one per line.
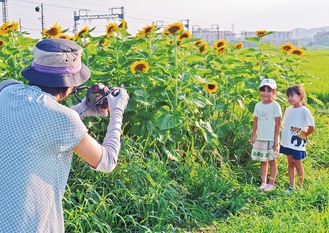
(38,9)
(4,10)
(160,23)
(216,27)
(186,23)
(91,17)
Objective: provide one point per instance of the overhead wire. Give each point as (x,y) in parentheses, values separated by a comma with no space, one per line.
(64,22)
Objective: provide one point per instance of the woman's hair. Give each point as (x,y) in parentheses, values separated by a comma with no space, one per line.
(51,90)
(298,90)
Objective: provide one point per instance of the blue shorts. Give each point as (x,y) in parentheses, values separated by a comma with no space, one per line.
(296,154)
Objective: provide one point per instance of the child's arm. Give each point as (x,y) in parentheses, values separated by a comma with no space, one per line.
(254,131)
(276,133)
(310,130)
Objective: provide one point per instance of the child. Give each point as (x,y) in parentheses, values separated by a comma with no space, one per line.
(298,123)
(267,117)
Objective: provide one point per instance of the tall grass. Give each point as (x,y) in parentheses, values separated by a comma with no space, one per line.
(316,64)
(151,194)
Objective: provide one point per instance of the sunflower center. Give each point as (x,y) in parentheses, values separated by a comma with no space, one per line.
(140,67)
(111,29)
(173,29)
(81,33)
(184,36)
(220,44)
(52,31)
(202,48)
(297,52)
(147,30)
(211,86)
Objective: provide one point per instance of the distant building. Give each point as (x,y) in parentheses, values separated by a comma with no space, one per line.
(298,37)
(213,34)
(276,38)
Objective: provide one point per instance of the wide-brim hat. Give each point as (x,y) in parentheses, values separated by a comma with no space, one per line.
(57,63)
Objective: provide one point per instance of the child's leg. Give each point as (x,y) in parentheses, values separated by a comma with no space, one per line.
(300,171)
(273,171)
(291,170)
(263,171)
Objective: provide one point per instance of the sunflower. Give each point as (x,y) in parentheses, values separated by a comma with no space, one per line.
(202,48)
(261,33)
(73,38)
(287,47)
(170,42)
(141,66)
(110,29)
(221,50)
(174,29)
(148,29)
(102,41)
(123,24)
(139,34)
(211,87)
(14,26)
(238,45)
(220,43)
(81,33)
(198,42)
(2,43)
(8,27)
(185,34)
(2,31)
(297,51)
(64,36)
(201,45)
(53,32)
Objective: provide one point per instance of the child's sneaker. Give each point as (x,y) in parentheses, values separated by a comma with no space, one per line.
(269,187)
(290,189)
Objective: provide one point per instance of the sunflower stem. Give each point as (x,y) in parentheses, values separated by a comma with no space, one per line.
(176,76)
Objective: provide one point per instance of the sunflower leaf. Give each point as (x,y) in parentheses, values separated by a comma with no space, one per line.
(253,39)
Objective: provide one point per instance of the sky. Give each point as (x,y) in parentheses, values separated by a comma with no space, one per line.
(228,15)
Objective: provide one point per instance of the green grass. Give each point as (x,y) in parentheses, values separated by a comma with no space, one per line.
(206,191)
(316,64)
(146,193)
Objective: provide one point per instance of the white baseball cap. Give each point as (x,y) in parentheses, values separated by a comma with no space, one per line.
(268,82)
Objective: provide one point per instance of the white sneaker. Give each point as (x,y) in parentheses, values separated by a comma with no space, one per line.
(262,186)
(269,187)
(290,189)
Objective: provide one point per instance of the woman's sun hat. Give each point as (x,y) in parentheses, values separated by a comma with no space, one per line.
(268,82)
(57,63)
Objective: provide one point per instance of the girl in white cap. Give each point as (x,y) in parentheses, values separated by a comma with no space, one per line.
(265,132)
(38,137)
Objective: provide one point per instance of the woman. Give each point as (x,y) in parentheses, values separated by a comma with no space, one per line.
(38,137)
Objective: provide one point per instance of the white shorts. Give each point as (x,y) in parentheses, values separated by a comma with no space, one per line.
(263,151)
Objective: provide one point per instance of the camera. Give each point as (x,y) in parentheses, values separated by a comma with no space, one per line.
(96,95)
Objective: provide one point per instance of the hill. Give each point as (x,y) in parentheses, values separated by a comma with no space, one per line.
(301,33)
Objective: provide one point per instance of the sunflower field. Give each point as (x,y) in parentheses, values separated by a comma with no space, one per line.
(185,160)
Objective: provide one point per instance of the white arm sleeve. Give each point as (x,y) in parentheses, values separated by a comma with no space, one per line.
(111,144)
